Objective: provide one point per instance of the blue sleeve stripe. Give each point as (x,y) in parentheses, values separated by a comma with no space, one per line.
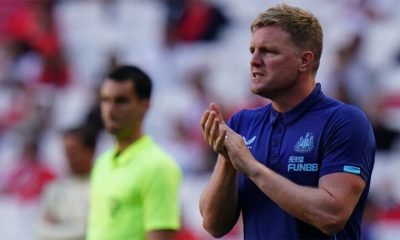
(351,169)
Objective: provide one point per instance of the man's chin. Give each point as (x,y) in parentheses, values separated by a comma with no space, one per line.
(261,92)
(255,90)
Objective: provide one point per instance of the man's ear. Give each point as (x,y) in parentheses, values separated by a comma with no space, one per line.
(306,61)
(145,103)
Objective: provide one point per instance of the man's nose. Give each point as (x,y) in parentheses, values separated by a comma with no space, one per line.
(255,60)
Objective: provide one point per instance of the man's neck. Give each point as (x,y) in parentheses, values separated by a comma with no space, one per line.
(123,143)
(294,97)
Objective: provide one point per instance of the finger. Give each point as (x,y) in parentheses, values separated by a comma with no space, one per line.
(214,132)
(208,126)
(215,108)
(203,119)
(220,141)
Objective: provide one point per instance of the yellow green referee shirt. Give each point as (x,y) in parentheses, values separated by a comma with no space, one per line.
(133,192)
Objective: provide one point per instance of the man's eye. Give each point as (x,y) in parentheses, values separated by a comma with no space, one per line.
(266,50)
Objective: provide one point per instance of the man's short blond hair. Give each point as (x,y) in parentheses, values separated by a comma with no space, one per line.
(302,26)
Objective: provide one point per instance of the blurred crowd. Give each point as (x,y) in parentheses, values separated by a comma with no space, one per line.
(55,53)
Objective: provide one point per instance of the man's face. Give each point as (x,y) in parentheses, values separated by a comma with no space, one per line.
(274,62)
(79,157)
(122,111)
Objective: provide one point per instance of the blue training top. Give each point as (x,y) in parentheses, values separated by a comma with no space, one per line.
(318,137)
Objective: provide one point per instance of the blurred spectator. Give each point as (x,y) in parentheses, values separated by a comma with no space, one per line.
(386,137)
(32,23)
(65,202)
(24,64)
(30,176)
(193,21)
(24,114)
(352,78)
(196,154)
(35,65)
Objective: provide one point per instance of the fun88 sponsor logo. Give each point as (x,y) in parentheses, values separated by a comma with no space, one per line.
(296,164)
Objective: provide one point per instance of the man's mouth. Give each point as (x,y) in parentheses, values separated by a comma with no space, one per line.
(257,74)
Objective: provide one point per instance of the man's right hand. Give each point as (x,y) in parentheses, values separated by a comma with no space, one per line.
(214,128)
